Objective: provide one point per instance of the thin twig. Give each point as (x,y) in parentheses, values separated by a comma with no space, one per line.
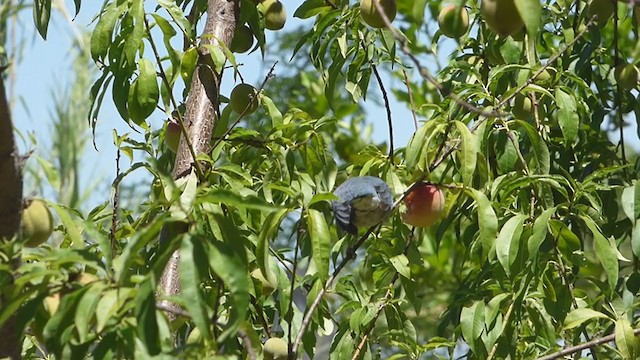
(381,305)
(291,289)
(387,107)
(425,73)
(507,317)
(114,215)
(413,110)
(270,74)
(618,92)
(165,79)
(589,344)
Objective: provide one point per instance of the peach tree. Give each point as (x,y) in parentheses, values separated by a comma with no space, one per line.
(235,253)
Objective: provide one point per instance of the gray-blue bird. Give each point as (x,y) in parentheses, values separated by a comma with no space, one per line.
(363,201)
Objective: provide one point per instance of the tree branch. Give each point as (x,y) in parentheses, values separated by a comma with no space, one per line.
(10,212)
(589,344)
(200,116)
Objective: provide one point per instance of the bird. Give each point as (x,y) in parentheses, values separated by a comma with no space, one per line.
(363,201)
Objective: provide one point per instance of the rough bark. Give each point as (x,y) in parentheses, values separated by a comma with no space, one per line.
(200,115)
(11,195)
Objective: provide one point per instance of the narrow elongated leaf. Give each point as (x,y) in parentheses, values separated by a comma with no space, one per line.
(631,201)
(86,309)
(103,32)
(228,259)
(531,13)
(487,220)
(606,252)
(626,341)
(540,161)
(567,116)
(508,241)
(268,232)
(190,279)
(578,316)
(147,324)
(320,242)
(143,93)
(467,152)
(540,229)
(472,323)
(70,227)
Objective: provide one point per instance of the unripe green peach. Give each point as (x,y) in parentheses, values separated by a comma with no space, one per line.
(242,39)
(195,336)
(274,13)
(453,21)
(603,9)
(37,223)
(275,349)
(626,76)
(172,135)
(51,303)
(501,16)
(546,78)
(244,96)
(424,205)
(371,16)
(522,107)
(261,283)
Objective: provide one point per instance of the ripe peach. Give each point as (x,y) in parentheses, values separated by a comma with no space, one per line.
(424,205)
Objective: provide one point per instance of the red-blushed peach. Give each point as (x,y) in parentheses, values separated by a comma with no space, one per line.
(424,205)
(172,135)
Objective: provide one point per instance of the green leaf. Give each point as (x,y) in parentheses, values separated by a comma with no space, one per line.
(508,242)
(86,309)
(568,118)
(487,220)
(109,305)
(467,152)
(188,64)
(311,8)
(540,152)
(189,186)
(635,238)
(320,242)
(177,15)
(401,264)
(228,259)
(272,110)
(70,227)
(578,316)
(191,276)
(147,324)
(626,341)
(268,232)
(540,229)
(606,252)
(531,13)
(102,34)
(631,201)
(41,15)
(143,93)
(472,323)
(230,198)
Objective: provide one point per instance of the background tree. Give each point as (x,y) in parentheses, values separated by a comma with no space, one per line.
(536,248)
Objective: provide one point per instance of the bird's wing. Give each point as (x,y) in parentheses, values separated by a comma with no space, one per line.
(343,212)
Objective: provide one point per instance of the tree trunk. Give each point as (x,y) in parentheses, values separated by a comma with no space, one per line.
(200,116)
(10,211)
